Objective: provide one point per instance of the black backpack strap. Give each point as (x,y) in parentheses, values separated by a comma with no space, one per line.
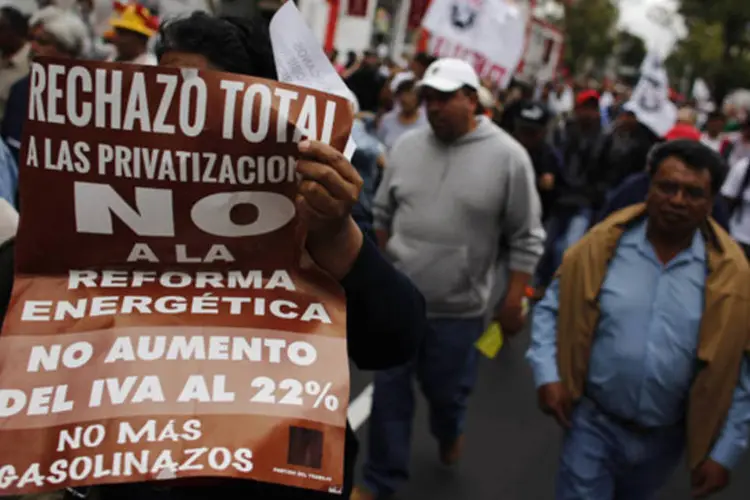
(736,202)
(7,265)
(727,150)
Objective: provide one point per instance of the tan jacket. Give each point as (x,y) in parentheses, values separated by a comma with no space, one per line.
(724,331)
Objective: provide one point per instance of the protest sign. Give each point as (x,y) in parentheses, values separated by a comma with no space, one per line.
(161,325)
(489,34)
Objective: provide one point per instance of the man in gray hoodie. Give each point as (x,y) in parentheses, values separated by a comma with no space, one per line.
(455,197)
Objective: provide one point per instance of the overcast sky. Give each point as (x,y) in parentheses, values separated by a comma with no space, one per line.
(634,15)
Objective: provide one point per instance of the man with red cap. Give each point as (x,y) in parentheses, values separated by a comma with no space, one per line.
(685,127)
(578,142)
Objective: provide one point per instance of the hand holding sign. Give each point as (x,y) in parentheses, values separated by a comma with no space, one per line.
(329,188)
(171,312)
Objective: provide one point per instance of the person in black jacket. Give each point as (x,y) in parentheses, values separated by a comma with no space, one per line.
(367,82)
(578,143)
(385,312)
(531,130)
(623,152)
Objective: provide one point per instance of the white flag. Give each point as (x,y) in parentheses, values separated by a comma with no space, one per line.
(650,100)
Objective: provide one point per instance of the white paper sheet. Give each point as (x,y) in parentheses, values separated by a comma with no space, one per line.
(300,59)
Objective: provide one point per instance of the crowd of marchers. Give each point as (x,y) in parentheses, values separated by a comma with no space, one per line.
(461,203)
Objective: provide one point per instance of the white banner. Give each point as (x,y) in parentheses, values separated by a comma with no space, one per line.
(543,52)
(488,33)
(650,100)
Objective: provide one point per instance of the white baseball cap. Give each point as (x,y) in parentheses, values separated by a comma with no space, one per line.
(449,75)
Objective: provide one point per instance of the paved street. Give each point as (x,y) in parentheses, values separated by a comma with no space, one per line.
(511,449)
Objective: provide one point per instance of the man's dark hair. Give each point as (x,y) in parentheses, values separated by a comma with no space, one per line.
(715,115)
(693,154)
(351,59)
(424,59)
(18,23)
(231,44)
(591,103)
(527,91)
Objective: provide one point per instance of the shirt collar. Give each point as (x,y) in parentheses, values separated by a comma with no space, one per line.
(637,238)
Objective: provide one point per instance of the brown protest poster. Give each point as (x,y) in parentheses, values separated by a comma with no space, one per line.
(161,324)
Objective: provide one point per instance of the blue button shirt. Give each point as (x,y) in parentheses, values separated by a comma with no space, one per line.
(643,357)
(644,353)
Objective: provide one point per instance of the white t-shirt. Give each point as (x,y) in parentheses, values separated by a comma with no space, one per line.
(145,59)
(740,151)
(739,223)
(391,129)
(714,144)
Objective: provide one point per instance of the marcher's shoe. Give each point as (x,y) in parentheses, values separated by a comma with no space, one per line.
(451,452)
(359,493)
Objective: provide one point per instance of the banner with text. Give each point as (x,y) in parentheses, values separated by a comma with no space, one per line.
(490,34)
(162,325)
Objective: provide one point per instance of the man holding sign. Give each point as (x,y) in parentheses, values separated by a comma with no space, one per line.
(165,330)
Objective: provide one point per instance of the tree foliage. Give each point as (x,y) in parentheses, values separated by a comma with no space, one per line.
(630,49)
(589,28)
(717,47)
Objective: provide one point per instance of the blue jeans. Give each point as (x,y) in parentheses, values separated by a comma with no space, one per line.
(601,460)
(446,367)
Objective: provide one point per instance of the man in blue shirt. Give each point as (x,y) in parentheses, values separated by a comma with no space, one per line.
(637,340)
(634,190)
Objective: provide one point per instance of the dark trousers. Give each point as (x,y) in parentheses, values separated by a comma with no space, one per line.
(563,229)
(446,368)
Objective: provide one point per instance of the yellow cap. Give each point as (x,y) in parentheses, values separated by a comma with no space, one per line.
(134,17)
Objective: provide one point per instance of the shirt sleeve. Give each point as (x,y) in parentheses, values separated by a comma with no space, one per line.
(384,205)
(542,353)
(734,179)
(523,217)
(15,115)
(8,175)
(385,312)
(733,440)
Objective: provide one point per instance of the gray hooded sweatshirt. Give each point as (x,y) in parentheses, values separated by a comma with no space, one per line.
(451,210)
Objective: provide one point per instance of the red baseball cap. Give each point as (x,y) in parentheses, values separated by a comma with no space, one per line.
(587,95)
(683,131)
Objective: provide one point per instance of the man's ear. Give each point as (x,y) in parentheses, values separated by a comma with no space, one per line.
(473,98)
